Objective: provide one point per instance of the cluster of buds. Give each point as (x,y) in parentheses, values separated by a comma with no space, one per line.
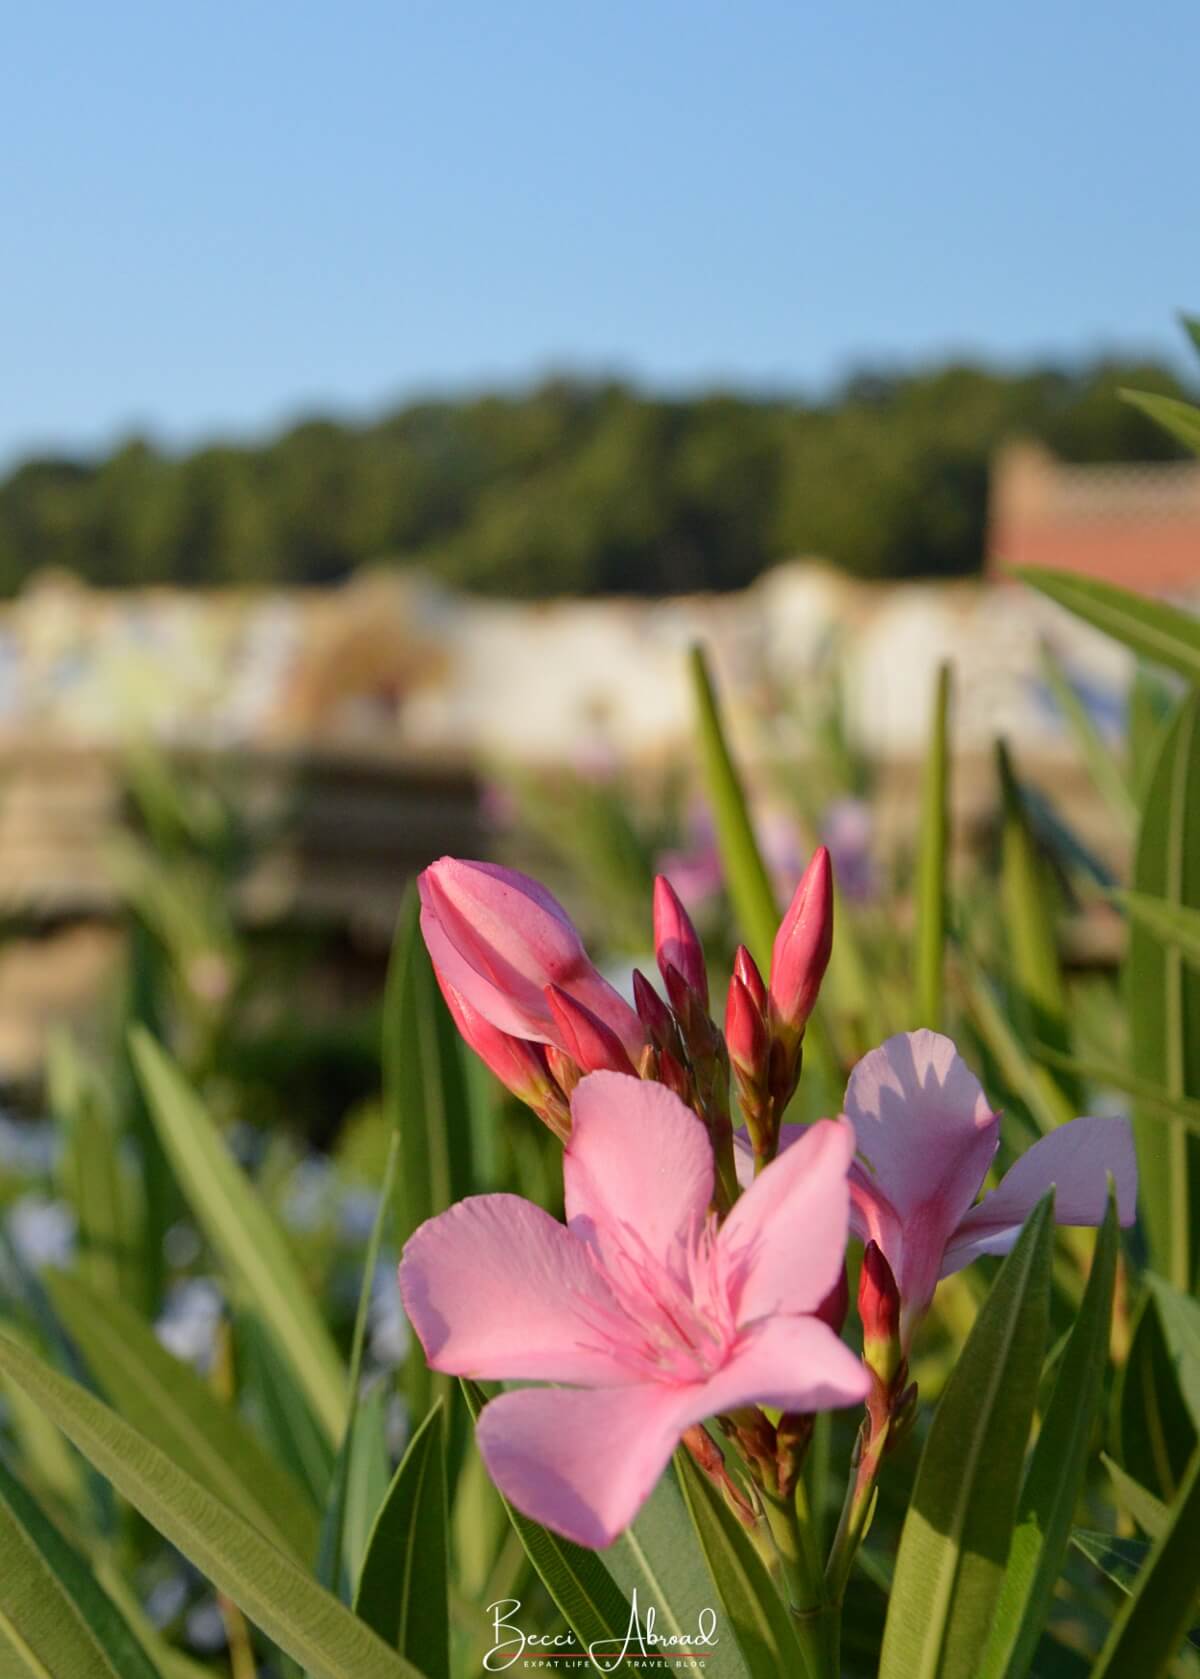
(527,998)
(765,1022)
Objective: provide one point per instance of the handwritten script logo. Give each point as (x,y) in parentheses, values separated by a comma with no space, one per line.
(640,1639)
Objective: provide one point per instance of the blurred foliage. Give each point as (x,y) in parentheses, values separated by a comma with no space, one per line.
(581,488)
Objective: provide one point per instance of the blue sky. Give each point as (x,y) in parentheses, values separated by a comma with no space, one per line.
(217,217)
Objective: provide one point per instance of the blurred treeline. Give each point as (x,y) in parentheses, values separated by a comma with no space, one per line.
(579,487)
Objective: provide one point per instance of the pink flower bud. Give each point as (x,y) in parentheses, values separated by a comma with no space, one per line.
(746,969)
(802,946)
(591,1044)
(676,943)
(746,1033)
(499,939)
(680,993)
(879,1309)
(520,1066)
(653,1013)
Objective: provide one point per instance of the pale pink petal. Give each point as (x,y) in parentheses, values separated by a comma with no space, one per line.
(924,1125)
(792,1363)
(638,1160)
(743,1152)
(1077,1159)
(579,1461)
(785,1238)
(497,1289)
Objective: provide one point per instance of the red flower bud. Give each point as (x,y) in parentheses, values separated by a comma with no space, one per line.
(585,1037)
(746,969)
(879,1309)
(802,946)
(653,1013)
(676,943)
(746,1033)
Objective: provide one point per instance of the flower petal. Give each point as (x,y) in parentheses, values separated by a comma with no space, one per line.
(1077,1159)
(787,1233)
(793,1363)
(923,1123)
(582,1462)
(496,1288)
(637,1160)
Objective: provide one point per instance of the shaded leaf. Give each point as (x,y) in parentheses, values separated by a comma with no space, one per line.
(956,1537)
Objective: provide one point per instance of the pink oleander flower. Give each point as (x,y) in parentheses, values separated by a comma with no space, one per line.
(926,1138)
(657,1318)
(500,941)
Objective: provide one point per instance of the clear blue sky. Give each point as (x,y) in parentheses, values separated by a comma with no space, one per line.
(217,216)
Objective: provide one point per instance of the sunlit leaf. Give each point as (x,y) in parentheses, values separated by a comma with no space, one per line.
(272,1590)
(241,1229)
(1156,1617)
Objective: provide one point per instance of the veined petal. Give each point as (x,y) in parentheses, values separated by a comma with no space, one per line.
(786,1236)
(638,1160)
(923,1124)
(497,1289)
(1076,1159)
(793,1363)
(581,1462)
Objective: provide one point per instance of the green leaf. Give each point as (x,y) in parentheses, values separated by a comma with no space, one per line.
(1179,1315)
(1155,1619)
(930,934)
(1171,924)
(356,1490)
(1055,1477)
(1119,1560)
(749,883)
(55,1617)
(240,1228)
(1156,1430)
(1159,632)
(1164,999)
(359,1444)
(1102,765)
(404,1584)
(752,1604)
(426,1099)
(180,1414)
(281,1411)
(660,1560)
(1152,1102)
(581,1586)
(1181,419)
(955,1542)
(273,1591)
(92,1172)
(1148,1512)
(1040,999)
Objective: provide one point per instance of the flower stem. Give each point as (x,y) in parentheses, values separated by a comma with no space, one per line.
(816,1618)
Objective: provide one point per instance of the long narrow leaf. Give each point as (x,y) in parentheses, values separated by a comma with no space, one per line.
(272,1590)
(1164,999)
(1181,419)
(581,1586)
(1106,772)
(956,1537)
(1171,923)
(55,1617)
(1163,633)
(1056,1473)
(1153,1102)
(243,1232)
(402,1589)
(752,1603)
(1146,1636)
(180,1414)
(749,883)
(930,933)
